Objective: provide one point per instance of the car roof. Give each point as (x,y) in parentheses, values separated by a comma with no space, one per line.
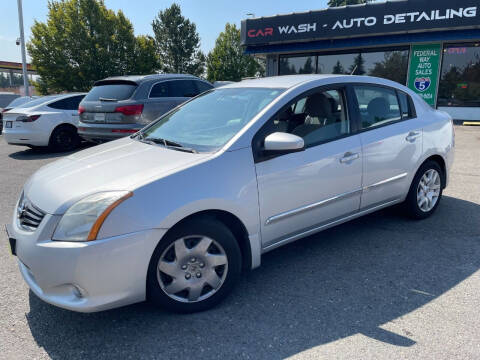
(138,79)
(290,81)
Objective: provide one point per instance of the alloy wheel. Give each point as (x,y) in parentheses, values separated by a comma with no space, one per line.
(428,190)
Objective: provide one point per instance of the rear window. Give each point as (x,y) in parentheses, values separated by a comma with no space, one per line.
(111,92)
(38,101)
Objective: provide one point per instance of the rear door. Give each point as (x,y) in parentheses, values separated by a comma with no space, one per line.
(165,95)
(391,137)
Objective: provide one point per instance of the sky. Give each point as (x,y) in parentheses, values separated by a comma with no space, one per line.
(210,16)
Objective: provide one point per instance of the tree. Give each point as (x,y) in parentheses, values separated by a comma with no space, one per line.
(358,66)
(82,41)
(393,67)
(337,3)
(338,68)
(177,42)
(227,61)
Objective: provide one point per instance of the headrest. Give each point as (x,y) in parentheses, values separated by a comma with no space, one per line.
(378,108)
(318,105)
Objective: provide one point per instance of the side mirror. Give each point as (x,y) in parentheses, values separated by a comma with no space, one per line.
(283,143)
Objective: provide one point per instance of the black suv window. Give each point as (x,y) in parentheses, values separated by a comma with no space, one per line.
(202,86)
(159,90)
(70,103)
(182,88)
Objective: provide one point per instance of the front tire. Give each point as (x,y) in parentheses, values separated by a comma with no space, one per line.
(194,267)
(426,191)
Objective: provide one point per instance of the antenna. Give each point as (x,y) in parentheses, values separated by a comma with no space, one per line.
(354,69)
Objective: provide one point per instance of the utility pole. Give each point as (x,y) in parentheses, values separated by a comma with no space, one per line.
(22,46)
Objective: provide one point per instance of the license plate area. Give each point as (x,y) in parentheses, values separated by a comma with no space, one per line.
(8,124)
(99,117)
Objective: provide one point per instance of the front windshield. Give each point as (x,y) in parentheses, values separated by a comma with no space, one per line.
(208,122)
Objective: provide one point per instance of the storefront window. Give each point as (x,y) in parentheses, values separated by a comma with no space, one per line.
(460,77)
(392,65)
(297,65)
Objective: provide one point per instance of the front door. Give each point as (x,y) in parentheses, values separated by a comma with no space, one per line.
(298,191)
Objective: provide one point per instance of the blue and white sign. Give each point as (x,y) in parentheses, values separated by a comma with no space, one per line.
(422,84)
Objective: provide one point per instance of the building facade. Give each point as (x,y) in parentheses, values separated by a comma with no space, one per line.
(433,47)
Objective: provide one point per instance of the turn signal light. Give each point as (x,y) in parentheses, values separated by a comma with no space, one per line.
(124,131)
(130,109)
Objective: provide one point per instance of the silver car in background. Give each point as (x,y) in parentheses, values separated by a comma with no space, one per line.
(119,106)
(175,212)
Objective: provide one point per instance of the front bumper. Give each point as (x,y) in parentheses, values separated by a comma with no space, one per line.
(106,132)
(85,276)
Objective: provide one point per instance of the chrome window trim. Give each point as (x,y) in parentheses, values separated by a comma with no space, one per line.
(338,197)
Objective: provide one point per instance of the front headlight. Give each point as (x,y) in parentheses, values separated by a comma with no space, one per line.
(83,220)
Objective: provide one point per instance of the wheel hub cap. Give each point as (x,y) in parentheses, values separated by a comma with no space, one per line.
(192,268)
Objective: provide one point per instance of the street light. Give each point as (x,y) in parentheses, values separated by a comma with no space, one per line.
(22,47)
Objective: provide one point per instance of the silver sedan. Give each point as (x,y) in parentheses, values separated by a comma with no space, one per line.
(175,212)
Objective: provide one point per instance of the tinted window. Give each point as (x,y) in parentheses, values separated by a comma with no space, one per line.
(460,77)
(111,92)
(202,86)
(377,105)
(209,121)
(317,118)
(405,105)
(159,90)
(297,65)
(182,88)
(70,103)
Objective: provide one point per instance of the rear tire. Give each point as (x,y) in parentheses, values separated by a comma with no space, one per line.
(64,138)
(194,267)
(425,192)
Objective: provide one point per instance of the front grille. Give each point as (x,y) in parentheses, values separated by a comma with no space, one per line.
(29,216)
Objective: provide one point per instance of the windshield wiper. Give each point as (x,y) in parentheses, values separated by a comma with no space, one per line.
(167,143)
(107,99)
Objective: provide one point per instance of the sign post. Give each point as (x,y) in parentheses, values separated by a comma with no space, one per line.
(424,71)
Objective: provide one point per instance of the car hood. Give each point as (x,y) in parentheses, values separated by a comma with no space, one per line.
(124,164)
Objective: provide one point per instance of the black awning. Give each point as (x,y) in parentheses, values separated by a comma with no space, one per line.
(391,17)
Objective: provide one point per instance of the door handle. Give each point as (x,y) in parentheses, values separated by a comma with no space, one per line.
(413,135)
(349,157)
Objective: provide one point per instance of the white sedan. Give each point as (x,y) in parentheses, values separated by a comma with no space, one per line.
(175,212)
(46,121)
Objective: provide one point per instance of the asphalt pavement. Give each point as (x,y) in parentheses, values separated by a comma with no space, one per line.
(379,287)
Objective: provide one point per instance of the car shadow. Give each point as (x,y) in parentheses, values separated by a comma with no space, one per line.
(41,153)
(347,280)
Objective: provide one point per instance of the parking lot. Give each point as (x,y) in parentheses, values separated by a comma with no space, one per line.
(379,287)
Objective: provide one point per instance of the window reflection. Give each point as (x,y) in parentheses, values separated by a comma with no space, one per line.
(297,65)
(460,77)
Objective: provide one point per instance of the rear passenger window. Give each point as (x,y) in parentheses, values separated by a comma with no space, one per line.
(405,105)
(159,90)
(377,105)
(183,88)
(70,103)
(203,86)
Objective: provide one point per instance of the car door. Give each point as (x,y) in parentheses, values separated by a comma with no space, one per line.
(300,191)
(166,95)
(391,137)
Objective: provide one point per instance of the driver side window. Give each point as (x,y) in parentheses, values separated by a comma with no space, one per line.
(317,118)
